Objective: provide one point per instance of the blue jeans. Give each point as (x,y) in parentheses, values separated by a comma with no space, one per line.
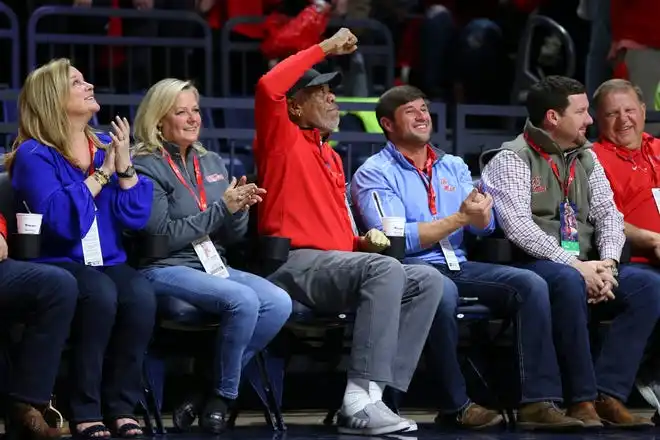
(505,290)
(637,306)
(253,311)
(47,297)
(111,330)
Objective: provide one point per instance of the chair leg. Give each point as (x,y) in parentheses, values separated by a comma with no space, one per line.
(153,372)
(274,407)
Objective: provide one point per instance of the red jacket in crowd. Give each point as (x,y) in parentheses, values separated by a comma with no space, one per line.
(224,10)
(636,21)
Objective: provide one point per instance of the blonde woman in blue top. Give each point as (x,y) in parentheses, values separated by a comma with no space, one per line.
(86,188)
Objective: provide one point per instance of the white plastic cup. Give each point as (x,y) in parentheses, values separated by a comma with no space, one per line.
(394,226)
(28,223)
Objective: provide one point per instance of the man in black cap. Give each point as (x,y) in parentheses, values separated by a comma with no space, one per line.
(330,267)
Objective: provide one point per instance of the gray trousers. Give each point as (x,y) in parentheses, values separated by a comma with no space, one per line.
(394,306)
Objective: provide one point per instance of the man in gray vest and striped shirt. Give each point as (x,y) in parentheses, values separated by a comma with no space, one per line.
(554,202)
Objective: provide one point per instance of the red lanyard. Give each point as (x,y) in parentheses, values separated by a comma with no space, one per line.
(565,185)
(201,200)
(427,180)
(92,168)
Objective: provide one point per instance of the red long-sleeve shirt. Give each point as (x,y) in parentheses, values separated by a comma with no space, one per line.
(3,226)
(303,175)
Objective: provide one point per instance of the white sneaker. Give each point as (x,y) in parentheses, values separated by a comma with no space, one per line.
(383,407)
(370,421)
(650,391)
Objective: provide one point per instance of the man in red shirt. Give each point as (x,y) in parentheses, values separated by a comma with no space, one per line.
(631,159)
(330,268)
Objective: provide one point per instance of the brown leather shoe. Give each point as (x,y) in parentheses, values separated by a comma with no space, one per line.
(585,412)
(27,422)
(477,417)
(545,416)
(614,413)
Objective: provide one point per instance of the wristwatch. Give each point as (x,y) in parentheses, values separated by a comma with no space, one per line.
(615,269)
(127,174)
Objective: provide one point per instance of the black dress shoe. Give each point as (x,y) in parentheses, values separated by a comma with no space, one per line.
(215,415)
(185,414)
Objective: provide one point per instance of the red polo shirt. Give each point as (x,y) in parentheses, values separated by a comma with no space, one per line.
(632,175)
(303,175)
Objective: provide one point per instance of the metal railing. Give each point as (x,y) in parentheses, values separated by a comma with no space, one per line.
(12,34)
(374,54)
(35,39)
(524,75)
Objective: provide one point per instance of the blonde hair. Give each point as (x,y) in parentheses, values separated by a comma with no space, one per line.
(42,111)
(155,105)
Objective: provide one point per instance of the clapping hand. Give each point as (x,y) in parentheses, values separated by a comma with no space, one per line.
(110,160)
(476,207)
(240,195)
(121,141)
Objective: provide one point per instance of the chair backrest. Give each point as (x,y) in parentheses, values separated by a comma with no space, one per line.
(176,49)
(524,75)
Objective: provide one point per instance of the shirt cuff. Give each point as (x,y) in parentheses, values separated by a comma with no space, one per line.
(412,238)
(485,231)
(609,252)
(561,256)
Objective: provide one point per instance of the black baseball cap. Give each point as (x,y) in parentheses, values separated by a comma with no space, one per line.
(313,78)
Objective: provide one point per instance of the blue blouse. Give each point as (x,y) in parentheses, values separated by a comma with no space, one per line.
(50,185)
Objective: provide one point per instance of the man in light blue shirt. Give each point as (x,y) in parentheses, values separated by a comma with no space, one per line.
(435,194)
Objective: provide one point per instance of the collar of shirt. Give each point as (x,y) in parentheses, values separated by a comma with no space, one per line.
(647,147)
(174,149)
(431,157)
(434,156)
(545,142)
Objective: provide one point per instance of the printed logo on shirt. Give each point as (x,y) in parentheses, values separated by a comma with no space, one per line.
(446,186)
(537,187)
(214,177)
